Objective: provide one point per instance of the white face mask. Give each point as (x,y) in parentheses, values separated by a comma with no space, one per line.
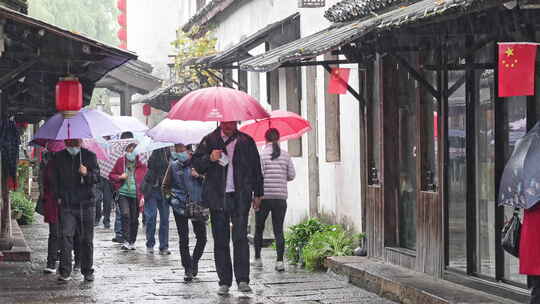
(73,150)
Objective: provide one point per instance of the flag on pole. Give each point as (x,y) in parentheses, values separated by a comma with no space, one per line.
(339,80)
(517,62)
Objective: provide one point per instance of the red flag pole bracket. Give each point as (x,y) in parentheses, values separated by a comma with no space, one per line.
(351,90)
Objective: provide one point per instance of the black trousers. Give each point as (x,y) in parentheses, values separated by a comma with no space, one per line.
(130,217)
(278,208)
(77,222)
(53,245)
(199,228)
(534,284)
(221,231)
(104,207)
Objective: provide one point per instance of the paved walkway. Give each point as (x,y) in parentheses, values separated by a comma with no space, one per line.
(136,277)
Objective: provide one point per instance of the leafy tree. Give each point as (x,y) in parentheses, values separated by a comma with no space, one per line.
(93,18)
(187,49)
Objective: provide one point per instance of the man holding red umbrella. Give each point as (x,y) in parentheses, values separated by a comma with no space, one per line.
(230,161)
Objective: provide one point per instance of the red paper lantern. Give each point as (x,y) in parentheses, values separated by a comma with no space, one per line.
(69,96)
(122,20)
(121,4)
(147,110)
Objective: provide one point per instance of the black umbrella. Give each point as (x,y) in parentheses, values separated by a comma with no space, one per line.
(520,182)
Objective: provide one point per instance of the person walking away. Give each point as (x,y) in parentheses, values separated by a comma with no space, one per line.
(76,173)
(127,176)
(103,202)
(154,202)
(230,162)
(278,169)
(50,211)
(184,184)
(529,251)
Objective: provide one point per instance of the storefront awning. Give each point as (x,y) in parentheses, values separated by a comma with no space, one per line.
(240,51)
(163,97)
(35,54)
(341,34)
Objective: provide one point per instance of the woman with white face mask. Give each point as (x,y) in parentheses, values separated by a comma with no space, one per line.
(127,177)
(183,185)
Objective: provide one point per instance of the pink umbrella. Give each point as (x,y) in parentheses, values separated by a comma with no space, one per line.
(217,104)
(290,126)
(58,145)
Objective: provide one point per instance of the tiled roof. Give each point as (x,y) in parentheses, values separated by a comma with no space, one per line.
(341,34)
(348,10)
(207,13)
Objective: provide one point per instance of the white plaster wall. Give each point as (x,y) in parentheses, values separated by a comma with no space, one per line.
(340,186)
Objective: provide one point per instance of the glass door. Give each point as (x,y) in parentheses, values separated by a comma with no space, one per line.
(456,174)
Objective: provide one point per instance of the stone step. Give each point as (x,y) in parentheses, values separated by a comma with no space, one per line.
(404,285)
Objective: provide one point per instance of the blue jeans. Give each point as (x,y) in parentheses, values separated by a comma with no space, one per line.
(118,222)
(152,204)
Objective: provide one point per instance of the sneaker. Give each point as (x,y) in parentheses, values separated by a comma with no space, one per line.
(149,250)
(195,270)
(49,270)
(125,246)
(258,263)
(223,290)
(61,278)
(164,252)
(188,275)
(279,266)
(244,287)
(118,240)
(132,246)
(77,268)
(89,277)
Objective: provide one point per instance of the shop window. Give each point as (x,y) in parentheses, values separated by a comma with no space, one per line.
(429,109)
(373,122)
(332,119)
(294,99)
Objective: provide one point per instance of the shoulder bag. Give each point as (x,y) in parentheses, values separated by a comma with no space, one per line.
(511,233)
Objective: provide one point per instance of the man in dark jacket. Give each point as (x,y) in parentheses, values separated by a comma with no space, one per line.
(231,164)
(76,173)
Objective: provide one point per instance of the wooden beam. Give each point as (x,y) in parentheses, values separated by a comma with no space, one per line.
(417,75)
(460,67)
(16,73)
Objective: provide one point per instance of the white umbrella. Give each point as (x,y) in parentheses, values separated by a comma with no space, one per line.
(129,124)
(180,131)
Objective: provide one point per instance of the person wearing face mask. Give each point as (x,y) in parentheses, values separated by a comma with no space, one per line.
(127,176)
(183,184)
(75,174)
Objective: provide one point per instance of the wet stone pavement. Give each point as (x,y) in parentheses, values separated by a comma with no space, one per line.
(137,277)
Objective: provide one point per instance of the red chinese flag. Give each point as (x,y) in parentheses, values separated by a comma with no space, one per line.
(339,80)
(517,62)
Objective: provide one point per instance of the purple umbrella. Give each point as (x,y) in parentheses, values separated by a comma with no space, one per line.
(86,124)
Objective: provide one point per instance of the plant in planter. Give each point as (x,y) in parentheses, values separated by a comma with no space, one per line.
(333,241)
(22,208)
(297,237)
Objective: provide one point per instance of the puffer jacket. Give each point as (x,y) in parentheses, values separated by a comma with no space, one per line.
(276,173)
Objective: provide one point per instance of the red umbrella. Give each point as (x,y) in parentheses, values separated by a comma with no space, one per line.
(217,104)
(290,126)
